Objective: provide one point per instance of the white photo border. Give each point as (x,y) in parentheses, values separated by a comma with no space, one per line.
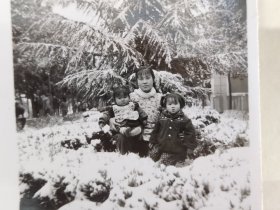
(254,104)
(9,191)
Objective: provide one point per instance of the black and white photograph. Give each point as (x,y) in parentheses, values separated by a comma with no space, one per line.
(133,104)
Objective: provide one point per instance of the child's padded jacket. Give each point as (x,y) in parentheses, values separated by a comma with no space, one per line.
(167,130)
(127,117)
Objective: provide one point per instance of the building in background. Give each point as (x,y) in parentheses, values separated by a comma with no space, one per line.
(226,89)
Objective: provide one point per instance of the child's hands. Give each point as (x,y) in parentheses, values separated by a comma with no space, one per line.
(151,146)
(114,125)
(189,152)
(123,130)
(181,136)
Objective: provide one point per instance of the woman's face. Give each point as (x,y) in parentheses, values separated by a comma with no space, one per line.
(145,81)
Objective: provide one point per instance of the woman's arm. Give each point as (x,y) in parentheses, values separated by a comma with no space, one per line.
(142,114)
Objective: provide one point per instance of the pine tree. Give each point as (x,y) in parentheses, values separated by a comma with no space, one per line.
(107,40)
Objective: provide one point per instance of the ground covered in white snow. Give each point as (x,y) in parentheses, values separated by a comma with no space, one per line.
(82,178)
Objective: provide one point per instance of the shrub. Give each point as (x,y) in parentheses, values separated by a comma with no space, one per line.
(98,189)
(34,184)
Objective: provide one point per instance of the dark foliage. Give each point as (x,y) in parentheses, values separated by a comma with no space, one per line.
(106,143)
(96,195)
(72,144)
(33,183)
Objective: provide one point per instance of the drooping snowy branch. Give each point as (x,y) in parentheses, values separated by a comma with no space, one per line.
(42,53)
(100,35)
(93,83)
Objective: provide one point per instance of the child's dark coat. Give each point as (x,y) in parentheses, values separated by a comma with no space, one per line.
(167,130)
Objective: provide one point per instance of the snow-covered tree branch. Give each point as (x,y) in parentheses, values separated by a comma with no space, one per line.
(99,35)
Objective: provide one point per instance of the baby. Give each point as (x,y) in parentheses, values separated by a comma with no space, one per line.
(128,115)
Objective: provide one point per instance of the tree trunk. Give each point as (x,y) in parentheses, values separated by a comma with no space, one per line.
(33,106)
(230,92)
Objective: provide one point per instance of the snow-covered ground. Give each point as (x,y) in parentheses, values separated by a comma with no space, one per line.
(86,179)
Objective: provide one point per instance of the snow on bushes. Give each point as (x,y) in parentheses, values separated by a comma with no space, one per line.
(202,117)
(215,130)
(59,168)
(231,125)
(220,181)
(113,181)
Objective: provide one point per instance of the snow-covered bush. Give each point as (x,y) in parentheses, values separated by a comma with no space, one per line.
(202,117)
(55,193)
(219,181)
(218,131)
(71,144)
(213,130)
(128,181)
(228,130)
(56,175)
(98,188)
(29,185)
(225,188)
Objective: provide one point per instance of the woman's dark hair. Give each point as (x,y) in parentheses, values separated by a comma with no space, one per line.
(121,91)
(174,97)
(144,70)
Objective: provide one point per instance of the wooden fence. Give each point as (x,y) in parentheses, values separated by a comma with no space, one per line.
(239,102)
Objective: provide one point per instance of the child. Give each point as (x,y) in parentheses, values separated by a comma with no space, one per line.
(173,137)
(127,114)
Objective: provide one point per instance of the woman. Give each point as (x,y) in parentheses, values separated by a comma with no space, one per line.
(149,101)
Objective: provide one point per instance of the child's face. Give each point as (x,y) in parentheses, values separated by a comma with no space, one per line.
(145,81)
(122,100)
(172,107)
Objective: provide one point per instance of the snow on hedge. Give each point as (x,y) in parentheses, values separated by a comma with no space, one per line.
(113,181)
(232,124)
(83,178)
(220,129)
